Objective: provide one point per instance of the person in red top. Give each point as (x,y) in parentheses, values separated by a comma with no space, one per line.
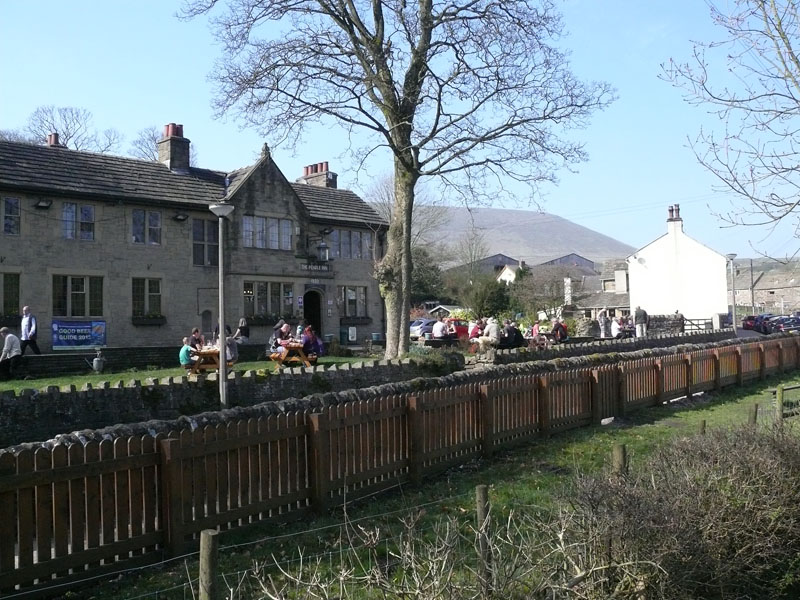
(559,331)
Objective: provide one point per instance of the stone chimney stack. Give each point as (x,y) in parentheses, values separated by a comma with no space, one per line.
(173,149)
(675,223)
(319,175)
(52,140)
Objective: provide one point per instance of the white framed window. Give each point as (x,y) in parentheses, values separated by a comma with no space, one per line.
(77,296)
(146,296)
(272,298)
(9,293)
(351,244)
(77,221)
(254,232)
(11,216)
(353,300)
(205,243)
(146,227)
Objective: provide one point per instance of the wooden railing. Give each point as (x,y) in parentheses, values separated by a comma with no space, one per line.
(78,511)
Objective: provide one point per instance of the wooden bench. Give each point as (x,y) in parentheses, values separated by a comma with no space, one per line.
(294,354)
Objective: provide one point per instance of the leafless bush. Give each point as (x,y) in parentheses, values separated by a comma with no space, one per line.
(715,516)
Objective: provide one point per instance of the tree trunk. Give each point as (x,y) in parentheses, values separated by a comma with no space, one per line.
(394,270)
(404,184)
(389,275)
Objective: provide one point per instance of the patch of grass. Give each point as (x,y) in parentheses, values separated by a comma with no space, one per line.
(95,379)
(529,477)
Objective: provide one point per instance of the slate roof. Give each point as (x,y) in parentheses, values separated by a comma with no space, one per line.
(331,204)
(59,170)
(601,299)
(55,170)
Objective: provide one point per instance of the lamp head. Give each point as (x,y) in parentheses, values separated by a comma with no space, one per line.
(221,209)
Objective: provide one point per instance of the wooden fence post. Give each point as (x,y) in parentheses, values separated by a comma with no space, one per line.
(209,545)
(689,375)
(595,396)
(544,407)
(717,371)
(739,374)
(781,359)
(779,403)
(621,393)
(752,418)
(762,362)
(487,421)
(484,553)
(619,459)
(171,509)
(659,381)
(796,354)
(415,439)
(702,428)
(319,461)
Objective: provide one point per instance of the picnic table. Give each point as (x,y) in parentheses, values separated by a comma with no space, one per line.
(294,354)
(207,359)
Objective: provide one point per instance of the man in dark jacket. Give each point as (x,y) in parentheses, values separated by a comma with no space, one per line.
(559,331)
(640,319)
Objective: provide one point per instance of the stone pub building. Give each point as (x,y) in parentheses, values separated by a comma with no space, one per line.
(131,247)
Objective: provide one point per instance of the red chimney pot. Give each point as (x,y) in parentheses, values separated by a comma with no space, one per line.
(325,166)
(179,130)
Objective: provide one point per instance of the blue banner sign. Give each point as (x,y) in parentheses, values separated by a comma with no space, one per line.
(74,335)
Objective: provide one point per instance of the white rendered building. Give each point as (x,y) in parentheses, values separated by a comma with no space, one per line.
(678,273)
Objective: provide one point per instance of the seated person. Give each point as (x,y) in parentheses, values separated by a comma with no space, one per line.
(312,345)
(185,355)
(280,339)
(197,341)
(11,354)
(439,331)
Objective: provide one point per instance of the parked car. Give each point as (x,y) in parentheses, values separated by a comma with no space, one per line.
(783,324)
(758,323)
(421,327)
(748,322)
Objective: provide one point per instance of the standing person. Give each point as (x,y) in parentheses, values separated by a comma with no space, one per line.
(242,333)
(29,330)
(11,354)
(535,329)
(602,319)
(640,320)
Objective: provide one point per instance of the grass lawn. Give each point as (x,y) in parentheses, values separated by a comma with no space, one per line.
(529,477)
(95,379)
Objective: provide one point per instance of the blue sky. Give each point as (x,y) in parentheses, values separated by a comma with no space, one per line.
(133,64)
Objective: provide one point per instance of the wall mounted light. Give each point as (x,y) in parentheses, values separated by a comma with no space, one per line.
(43,203)
(180,217)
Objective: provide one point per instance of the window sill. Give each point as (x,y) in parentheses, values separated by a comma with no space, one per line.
(148,321)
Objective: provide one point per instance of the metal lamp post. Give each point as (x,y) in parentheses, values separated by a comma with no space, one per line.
(730,258)
(222,210)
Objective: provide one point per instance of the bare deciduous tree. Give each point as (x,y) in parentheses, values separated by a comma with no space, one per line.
(540,288)
(14,135)
(74,128)
(751,81)
(429,213)
(475,92)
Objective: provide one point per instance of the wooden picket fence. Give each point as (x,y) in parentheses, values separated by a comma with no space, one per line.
(74,512)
